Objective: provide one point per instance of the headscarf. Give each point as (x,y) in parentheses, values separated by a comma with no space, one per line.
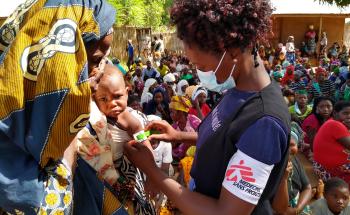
(45,93)
(170,77)
(146,95)
(179,87)
(198,91)
(190,90)
(320,71)
(180,103)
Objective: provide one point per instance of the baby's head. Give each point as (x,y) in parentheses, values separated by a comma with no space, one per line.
(336,193)
(111,93)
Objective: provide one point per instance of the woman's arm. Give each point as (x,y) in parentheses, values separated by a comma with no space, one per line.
(304,198)
(281,200)
(187,201)
(168,134)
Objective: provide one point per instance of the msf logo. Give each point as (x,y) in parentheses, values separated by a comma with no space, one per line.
(237,172)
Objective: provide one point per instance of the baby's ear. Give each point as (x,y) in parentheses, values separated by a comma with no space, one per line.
(127,88)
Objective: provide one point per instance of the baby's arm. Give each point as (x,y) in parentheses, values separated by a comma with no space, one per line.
(131,125)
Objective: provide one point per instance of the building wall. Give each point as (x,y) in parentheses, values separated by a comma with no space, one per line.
(297,26)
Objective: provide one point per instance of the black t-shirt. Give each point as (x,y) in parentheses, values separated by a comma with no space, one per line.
(298,180)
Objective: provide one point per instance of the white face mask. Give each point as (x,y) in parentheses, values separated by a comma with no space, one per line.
(208,79)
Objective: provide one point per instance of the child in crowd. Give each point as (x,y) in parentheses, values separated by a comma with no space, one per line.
(110,126)
(162,151)
(300,109)
(335,201)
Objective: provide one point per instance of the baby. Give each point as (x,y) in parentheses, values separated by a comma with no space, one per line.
(110,126)
(336,199)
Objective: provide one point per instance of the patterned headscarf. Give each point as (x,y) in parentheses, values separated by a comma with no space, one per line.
(180,103)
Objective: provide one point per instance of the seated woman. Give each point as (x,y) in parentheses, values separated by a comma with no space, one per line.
(159,105)
(332,144)
(295,186)
(321,112)
(199,97)
(183,121)
(147,95)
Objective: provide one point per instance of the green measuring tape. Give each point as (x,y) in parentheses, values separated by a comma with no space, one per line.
(143,135)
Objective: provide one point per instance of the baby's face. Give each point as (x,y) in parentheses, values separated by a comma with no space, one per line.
(111,96)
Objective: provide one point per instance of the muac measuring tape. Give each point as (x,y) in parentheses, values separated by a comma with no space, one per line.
(143,135)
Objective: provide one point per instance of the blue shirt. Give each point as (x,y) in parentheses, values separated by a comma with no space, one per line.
(265,140)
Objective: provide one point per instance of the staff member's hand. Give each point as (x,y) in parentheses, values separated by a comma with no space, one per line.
(140,155)
(167,132)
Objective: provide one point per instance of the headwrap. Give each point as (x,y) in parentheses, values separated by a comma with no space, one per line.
(336,70)
(180,103)
(285,64)
(197,91)
(146,95)
(294,136)
(190,90)
(179,87)
(45,93)
(296,132)
(301,92)
(321,71)
(159,89)
(170,77)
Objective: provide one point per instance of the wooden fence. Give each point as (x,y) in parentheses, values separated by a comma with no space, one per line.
(140,37)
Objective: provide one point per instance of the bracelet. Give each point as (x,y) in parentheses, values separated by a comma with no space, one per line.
(141,136)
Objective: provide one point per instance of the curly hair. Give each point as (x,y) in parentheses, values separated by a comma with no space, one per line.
(217,25)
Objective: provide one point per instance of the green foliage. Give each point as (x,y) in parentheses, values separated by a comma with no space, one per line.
(142,13)
(340,3)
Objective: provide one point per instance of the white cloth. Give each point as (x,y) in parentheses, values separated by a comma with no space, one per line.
(179,87)
(146,95)
(163,153)
(290,47)
(246,177)
(170,77)
(120,136)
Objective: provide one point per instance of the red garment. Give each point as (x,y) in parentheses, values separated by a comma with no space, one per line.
(288,77)
(310,124)
(205,110)
(327,150)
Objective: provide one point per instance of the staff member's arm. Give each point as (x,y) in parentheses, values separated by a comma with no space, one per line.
(169,134)
(187,201)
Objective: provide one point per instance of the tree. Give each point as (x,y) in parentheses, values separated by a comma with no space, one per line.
(142,13)
(340,3)
(129,12)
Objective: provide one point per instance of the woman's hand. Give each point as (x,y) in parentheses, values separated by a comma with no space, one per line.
(141,156)
(166,132)
(288,170)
